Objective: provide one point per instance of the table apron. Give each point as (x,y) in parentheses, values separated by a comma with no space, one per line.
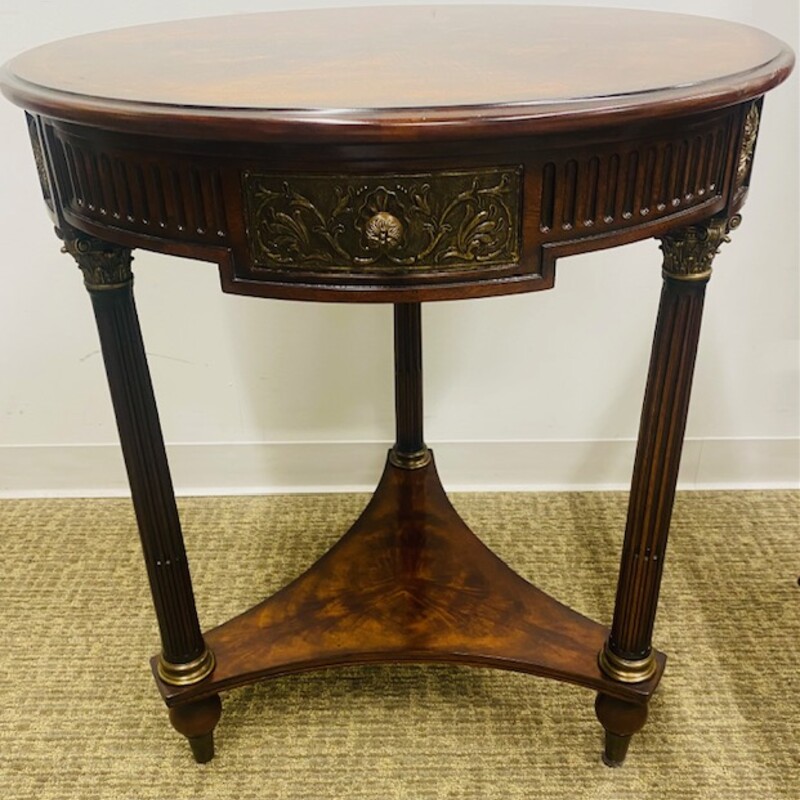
(395,222)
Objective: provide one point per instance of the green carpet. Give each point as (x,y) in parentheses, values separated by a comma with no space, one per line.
(80,716)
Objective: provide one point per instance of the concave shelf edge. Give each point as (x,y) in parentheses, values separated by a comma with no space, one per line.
(408,583)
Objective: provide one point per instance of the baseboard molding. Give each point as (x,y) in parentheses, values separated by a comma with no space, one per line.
(265,467)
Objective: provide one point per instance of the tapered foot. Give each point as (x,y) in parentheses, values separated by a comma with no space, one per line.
(202,747)
(616,749)
(196,721)
(620,720)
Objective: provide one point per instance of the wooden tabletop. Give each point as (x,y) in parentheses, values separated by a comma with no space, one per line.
(355,71)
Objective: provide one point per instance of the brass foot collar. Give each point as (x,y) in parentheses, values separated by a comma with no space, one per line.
(189,673)
(627,670)
(410,460)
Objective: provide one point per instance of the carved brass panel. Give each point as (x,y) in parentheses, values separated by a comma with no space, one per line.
(385,223)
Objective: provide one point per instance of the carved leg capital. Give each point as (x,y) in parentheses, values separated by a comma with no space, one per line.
(689,252)
(104,265)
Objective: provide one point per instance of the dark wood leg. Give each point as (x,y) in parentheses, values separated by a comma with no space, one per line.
(196,721)
(628,655)
(620,720)
(409,450)
(184,658)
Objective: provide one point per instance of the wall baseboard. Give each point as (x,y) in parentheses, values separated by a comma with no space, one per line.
(286,467)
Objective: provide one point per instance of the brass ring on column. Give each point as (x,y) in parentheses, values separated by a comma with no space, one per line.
(627,670)
(185,674)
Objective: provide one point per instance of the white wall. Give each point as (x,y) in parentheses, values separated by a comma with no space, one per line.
(535,390)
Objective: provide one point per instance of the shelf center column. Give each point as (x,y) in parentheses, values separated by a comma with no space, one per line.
(409,451)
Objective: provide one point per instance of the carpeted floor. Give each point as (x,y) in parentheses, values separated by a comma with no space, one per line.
(80,717)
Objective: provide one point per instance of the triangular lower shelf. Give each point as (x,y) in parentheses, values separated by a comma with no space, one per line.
(409,582)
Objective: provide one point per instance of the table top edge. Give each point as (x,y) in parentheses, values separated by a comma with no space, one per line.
(462,122)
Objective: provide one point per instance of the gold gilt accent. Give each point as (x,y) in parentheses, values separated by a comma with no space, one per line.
(410,460)
(749,136)
(627,670)
(104,265)
(384,230)
(189,673)
(439,221)
(689,252)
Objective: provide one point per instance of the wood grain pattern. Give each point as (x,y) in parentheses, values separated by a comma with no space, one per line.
(330,74)
(409,582)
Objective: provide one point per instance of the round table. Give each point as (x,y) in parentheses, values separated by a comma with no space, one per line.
(401,155)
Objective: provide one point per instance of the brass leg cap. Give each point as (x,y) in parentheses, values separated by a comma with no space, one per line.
(627,670)
(189,673)
(410,460)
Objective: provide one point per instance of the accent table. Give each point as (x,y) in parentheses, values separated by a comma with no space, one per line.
(401,155)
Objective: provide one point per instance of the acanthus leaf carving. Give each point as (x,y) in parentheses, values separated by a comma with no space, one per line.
(689,252)
(104,265)
(453,220)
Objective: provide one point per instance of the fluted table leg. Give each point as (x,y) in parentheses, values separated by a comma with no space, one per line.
(184,659)
(409,451)
(628,653)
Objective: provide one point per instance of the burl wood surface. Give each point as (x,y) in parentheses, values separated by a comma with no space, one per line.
(427,66)
(409,582)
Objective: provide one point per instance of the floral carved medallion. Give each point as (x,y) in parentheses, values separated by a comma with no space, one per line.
(435,221)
